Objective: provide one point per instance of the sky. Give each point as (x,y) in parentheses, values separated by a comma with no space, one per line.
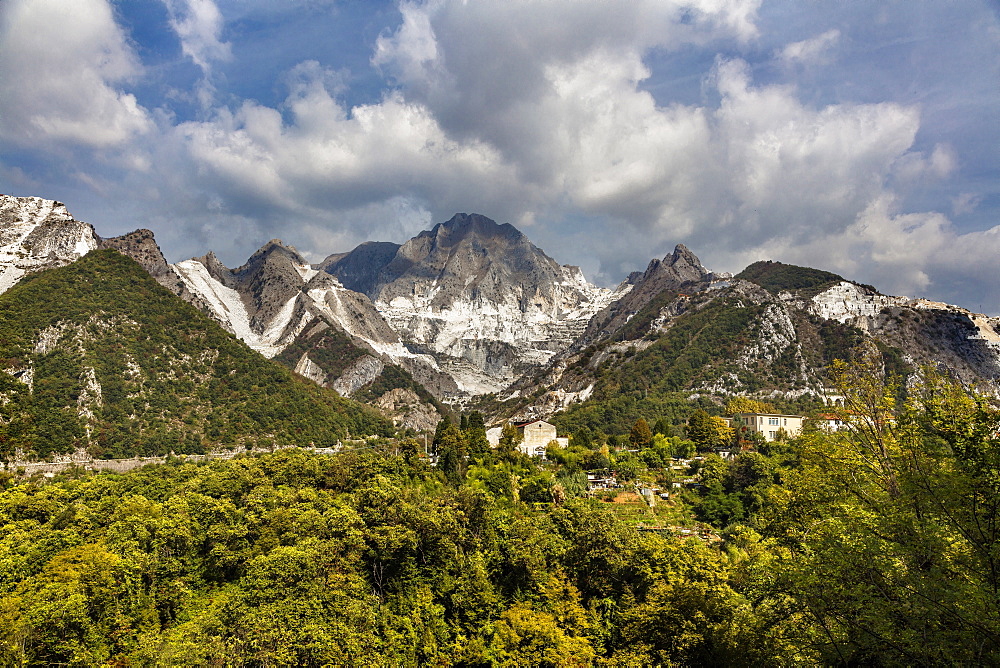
(858,137)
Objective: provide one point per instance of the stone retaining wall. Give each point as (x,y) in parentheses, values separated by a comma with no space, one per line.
(123,465)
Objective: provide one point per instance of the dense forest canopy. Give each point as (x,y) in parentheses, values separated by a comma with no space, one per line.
(872,546)
(97,355)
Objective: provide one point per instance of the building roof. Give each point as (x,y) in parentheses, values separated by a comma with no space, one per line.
(781,415)
(521,425)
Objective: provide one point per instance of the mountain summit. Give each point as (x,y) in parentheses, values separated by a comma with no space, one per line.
(477,295)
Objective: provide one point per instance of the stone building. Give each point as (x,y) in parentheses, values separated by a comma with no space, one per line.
(536,436)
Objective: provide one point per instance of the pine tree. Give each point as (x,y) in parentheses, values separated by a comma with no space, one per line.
(641,436)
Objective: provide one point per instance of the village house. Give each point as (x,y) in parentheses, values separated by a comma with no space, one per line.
(830,423)
(535,437)
(769,424)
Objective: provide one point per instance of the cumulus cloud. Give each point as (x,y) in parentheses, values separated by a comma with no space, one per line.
(535,113)
(63,64)
(326,158)
(467,128)
(198,24)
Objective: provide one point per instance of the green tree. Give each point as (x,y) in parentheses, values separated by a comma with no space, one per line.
(510,438)
(898,515)
(662,426)
(701,430)
(452,454)
(475,436)
(739,404)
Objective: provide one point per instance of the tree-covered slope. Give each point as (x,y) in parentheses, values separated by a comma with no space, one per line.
(872,546)
(736,340)
(777,276)
(98,355)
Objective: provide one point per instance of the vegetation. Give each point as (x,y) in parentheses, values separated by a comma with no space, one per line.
(327,347)
(100,356)
(871,546)
(776,276)
(638,325)
(875,546)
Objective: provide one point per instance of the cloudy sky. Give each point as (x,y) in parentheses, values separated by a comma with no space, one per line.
(858,137)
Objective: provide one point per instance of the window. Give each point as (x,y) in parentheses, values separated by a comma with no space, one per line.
(771,435)
(772,421)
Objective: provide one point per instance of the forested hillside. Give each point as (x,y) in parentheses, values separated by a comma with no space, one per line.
(97,355)
(719,344)
(875,546)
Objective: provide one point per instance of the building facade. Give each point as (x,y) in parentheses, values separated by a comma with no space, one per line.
(770,424)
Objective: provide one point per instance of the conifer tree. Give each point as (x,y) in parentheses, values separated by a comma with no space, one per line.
(641,436)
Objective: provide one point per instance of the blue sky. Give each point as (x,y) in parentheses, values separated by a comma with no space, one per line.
(856,137)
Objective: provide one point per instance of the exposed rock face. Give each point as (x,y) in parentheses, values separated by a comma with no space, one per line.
(276,295)
(141,246)
(265,302)
(359,374)
(952,338)
(478,296)
(37,234)
(309,369)
(850,303)
(406,410)
(681,270)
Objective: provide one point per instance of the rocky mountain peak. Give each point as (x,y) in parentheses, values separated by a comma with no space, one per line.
(141,246)
(677,270)
(37,234)
(274,253)
(464,225)
(681,265)
(476,294)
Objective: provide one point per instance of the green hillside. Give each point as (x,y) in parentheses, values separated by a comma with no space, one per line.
(97,355)
(776,276)
(711,344)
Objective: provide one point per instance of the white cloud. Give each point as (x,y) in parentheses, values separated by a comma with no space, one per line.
(809,51)
(61,65)
(331,158)
(965,203)
(198,24)
(535,113)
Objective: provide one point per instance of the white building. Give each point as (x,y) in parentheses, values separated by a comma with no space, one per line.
(535,437)
(769,424)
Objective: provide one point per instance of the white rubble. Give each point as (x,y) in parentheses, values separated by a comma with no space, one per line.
(848,302)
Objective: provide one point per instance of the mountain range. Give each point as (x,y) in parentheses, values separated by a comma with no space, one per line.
(471,313)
